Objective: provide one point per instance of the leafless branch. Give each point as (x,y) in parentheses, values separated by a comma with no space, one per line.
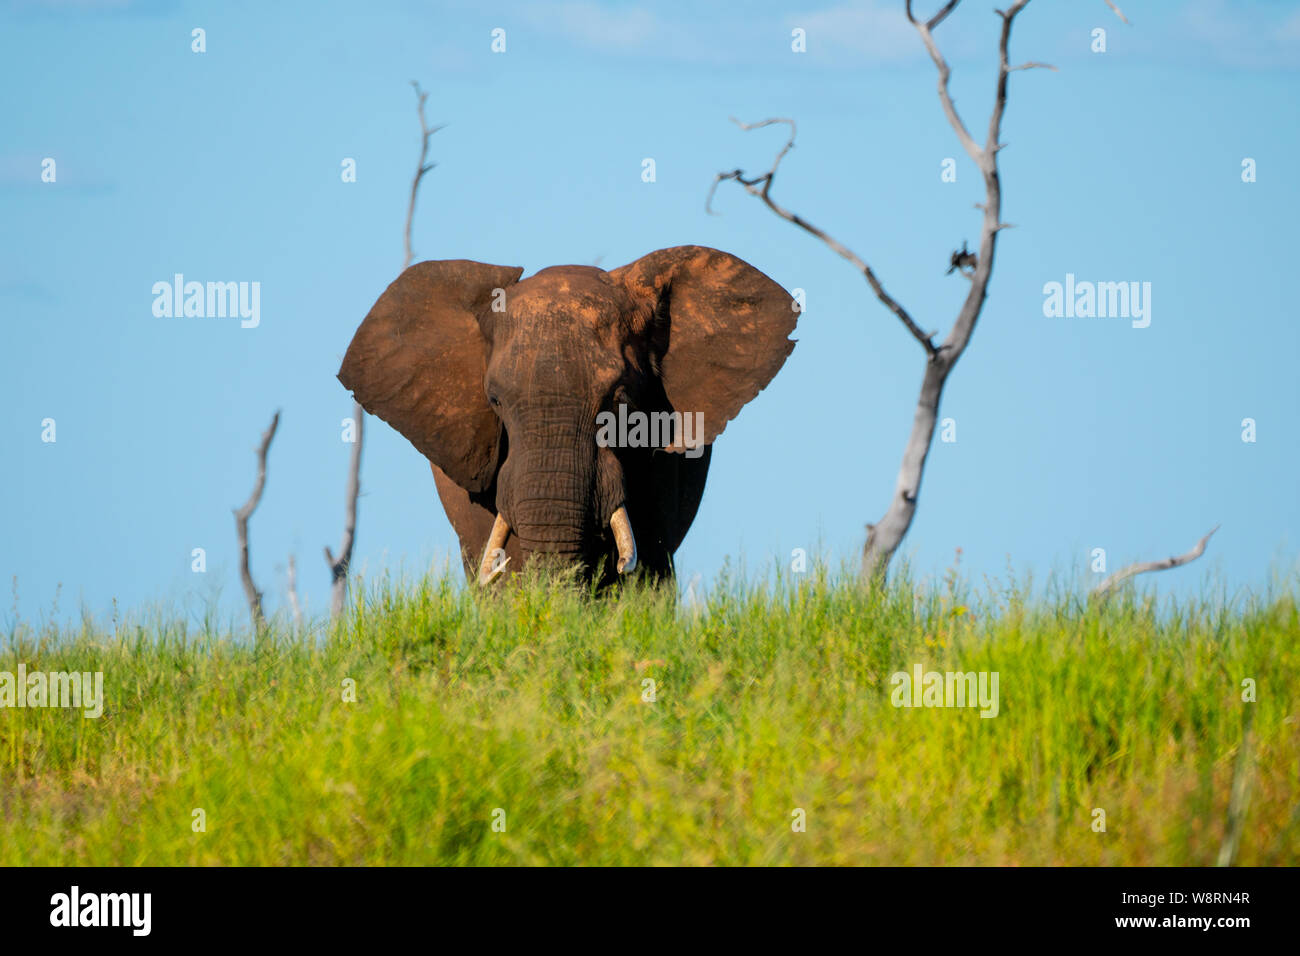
(738,175)
(945,98)
(242,515)
(1104,589)
(339,566)
(1118,12)
(761,187)
(884,537)
(935,20)
(421,168)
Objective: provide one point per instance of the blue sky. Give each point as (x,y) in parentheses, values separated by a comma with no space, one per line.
(1072,434)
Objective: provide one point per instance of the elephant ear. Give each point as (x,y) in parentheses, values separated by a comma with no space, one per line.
(718,326)
(418,361)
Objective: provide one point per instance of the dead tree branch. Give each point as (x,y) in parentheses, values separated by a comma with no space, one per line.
(421,168)
(242,515)
(1118,12)
(1104,589)
(339,565)
(761,186)
(884,537)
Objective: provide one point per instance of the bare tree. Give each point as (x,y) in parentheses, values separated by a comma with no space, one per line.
(242,515)
(1103,590)
(884,537)
(339,565)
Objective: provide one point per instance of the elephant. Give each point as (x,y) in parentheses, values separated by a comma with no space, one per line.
(513,388)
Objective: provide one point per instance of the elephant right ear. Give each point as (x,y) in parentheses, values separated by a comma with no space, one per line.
(418,361)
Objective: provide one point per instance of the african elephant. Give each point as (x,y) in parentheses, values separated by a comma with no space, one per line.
(526,395)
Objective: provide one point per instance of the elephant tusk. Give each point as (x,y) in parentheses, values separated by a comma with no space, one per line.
(623,537)
(494,556)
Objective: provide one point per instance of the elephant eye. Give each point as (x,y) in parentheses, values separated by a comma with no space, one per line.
(496,402)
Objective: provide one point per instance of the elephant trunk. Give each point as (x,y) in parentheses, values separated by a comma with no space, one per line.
(550,504)
(562,503)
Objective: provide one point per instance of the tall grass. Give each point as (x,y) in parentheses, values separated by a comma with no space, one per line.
(531,708)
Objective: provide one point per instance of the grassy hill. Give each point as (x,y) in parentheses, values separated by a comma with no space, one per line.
(523,727)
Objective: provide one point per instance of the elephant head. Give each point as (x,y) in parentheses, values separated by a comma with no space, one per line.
(571,413)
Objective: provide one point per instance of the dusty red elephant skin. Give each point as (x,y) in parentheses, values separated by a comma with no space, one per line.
(501,383)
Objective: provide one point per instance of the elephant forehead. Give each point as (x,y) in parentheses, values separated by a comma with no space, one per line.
(570,294)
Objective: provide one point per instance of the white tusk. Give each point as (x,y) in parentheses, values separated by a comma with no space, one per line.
(494,560)
(626,541)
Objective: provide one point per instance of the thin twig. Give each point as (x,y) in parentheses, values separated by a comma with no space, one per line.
(421,168)
(935,20)
(761,187)
(242,515)
(1103,589)
(949,108)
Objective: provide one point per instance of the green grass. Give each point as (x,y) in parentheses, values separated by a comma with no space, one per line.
(768,698)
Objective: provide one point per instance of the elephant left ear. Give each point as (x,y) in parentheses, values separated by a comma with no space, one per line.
(720,328)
